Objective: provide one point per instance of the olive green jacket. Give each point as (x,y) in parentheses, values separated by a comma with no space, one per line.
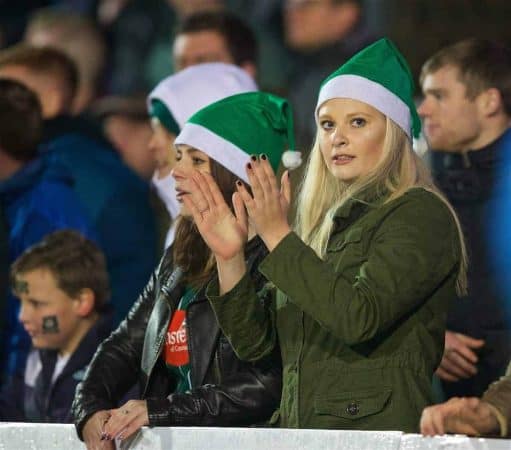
(361,331)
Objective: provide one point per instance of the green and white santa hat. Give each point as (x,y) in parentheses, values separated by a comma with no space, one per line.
(379,76)
(234,128)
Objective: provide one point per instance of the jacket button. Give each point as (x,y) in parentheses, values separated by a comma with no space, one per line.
(352,409)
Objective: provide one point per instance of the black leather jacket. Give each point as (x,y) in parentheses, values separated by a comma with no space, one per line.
(225,391)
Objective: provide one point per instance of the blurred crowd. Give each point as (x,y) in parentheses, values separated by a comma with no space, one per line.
(88,115)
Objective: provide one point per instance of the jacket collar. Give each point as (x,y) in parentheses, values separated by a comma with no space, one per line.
(83,354)
(354,208)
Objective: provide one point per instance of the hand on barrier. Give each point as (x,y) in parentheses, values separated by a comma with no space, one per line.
(126,420)
(93,432)
(469,416)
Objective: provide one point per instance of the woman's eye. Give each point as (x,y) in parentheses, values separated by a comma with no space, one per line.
(358,122)
(327,125)
(197,161)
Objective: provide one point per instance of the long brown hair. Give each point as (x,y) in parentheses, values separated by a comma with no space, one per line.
(190,252)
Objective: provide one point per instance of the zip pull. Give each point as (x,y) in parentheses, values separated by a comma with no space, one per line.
(465,159)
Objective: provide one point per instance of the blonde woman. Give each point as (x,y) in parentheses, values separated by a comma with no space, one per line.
(363,284)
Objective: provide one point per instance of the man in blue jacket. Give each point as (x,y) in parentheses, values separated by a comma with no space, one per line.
(35,199)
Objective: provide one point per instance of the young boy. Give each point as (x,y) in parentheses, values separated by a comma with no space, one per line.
(63,288)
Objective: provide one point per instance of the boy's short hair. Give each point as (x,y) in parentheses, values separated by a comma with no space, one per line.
(75,262)
(482,64)
(21,120)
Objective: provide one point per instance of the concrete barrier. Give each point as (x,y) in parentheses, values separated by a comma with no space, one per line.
(22,436)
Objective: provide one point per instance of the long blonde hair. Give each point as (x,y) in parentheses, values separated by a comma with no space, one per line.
(399,170)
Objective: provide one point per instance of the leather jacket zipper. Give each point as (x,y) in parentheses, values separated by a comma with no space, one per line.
(216,368)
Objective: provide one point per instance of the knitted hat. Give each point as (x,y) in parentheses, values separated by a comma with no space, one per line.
(379,76)
(179,96)
(233,129)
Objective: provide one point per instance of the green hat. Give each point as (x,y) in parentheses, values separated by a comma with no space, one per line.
(379,76)
(234,128)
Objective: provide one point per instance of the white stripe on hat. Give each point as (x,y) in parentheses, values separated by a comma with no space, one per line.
(360,88)
(216,147)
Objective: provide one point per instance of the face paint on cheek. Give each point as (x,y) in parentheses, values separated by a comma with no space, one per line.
(50,325)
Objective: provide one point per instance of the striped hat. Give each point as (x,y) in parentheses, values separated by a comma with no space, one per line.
(379,76)
(231,130)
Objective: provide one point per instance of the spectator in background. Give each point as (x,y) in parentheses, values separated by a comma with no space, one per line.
(36,198)
(215,36)
(467,113)
(140,36)
(141,33)
(171,104)
(126,124)
(116,200)
(322,34)
(80,39)
(62,285)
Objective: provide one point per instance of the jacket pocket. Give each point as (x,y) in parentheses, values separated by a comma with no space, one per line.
(353,405)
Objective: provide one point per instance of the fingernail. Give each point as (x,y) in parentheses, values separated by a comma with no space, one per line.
(264,157)
(249,166)
(253,158)
(239,183)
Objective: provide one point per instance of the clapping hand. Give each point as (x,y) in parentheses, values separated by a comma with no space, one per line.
(225,232)
(268,205)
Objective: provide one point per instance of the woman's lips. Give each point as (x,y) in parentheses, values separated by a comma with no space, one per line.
(342,159)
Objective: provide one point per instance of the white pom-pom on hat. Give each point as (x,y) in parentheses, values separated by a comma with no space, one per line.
(291,159)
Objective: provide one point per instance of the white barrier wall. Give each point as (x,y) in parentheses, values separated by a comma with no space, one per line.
(17,436)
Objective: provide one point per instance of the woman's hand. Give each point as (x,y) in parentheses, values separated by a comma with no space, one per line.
(225,233)
(126,420)
(268,206)
(93,432)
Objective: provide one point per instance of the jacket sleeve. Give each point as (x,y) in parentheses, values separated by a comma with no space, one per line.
(245,398)
(413,250)
(115,367)
(246,317)
(498,395)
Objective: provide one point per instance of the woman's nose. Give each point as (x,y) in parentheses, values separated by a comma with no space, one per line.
(338,137)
